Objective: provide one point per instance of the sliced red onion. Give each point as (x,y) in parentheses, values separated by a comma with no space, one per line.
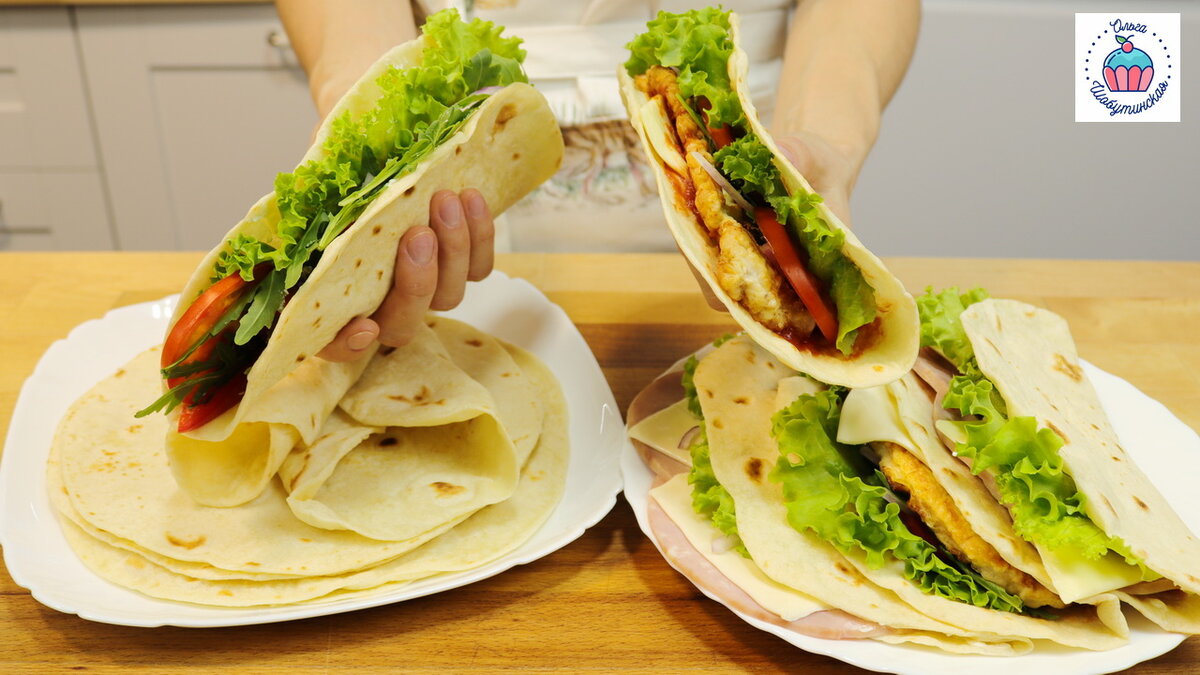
(688,437)
(720,180)
(486,90)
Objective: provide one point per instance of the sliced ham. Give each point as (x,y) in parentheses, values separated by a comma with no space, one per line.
(830,624)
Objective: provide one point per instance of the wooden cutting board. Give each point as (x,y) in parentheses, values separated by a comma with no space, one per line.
(607,601)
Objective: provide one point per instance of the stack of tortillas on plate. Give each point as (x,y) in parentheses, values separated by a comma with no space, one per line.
(439,456)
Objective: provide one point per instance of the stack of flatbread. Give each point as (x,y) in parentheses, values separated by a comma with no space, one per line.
(436,457)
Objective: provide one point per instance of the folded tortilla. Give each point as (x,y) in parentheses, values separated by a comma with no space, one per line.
(127,520)
(508,146)
(1029,355)
(884,357)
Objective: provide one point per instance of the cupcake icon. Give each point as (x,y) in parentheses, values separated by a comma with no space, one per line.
(1128,68)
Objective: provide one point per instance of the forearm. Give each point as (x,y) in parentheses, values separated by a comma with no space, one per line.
(843,62)
(337,41)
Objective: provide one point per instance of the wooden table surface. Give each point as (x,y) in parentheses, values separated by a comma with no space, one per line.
(607,601)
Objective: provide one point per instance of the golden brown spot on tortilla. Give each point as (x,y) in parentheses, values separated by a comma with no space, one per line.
(347,291)
(508,374)
(312,419)
(754,469)
(502,118)
(317,322)
(709,393)
(991,344)
(386,350)
(186,543)
(378,274)
(420,398)
(1055,429)
(119,373)
(771,365)
(741,400)
(750,357)
(446,489)
(1141,504)
(317,305)
(134,428)
(1115,458)
(1095,427)
(878,368)
(300,359)
(431,323)
(718,424)
(516,156)
(1062,365)
(109,453)
(458,150)
(388,442)
(358,263)
(1108,504)
(409,191)
(306,540)
(377,229)
(254,564)
(475,343)
(537,476)
(841,567)
(225,593)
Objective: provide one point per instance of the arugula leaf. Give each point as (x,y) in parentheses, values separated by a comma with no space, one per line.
(268,297)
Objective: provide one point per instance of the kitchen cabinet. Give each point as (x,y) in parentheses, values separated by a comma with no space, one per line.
(51,189)
(196,109)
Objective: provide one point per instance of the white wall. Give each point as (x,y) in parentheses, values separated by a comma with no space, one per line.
(980,155)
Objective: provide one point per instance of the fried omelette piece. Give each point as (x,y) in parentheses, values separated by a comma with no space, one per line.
(742,271)
(937,510)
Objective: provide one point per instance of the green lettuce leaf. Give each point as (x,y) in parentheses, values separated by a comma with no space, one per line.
(826,494)
(689,386)
(1046,506)
(709,497)
(750,166)
(697,42)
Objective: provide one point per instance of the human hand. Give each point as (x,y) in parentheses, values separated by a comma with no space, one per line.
(830,172)
(433,266)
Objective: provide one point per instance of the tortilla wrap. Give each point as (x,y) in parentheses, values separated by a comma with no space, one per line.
(739,393)
(417,442)
(1029,354)
(97,464)
(510,144)
(894,350)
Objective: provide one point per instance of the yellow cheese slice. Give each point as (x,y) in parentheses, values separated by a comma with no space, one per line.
(664,429)
(870,415)
(655,121)
(675,498)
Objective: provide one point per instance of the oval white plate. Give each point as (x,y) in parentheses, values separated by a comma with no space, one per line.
(38,557)
(1166,449)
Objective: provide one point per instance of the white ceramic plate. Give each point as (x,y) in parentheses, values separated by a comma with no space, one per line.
(38,557)
(1166,449)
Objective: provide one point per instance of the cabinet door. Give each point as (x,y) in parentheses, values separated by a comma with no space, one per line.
(197,108)
(50,188)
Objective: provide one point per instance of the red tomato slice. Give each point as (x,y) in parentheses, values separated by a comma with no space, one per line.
(226,396)
(722,136)
(202,315)
(805,284)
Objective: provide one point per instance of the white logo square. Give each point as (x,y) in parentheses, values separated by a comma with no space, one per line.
(1127,67)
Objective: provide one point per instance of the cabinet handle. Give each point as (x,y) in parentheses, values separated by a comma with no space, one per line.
(278,39)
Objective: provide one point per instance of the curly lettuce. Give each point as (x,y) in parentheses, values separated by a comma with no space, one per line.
(698,44)
(1046,506)
(750,166)
(709,497)
(826,494)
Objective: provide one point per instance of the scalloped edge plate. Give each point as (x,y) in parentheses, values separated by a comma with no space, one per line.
(39,559)
(1165,448)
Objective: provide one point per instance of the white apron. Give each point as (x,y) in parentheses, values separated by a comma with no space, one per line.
(604,197)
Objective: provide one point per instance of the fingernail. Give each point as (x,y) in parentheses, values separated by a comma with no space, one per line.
(451,211)
(421,247)
(360,340)
(476,204)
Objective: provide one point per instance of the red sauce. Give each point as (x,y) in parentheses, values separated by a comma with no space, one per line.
(814,343)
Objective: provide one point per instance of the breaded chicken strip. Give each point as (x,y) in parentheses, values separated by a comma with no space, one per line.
(742,271)
(937,510)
